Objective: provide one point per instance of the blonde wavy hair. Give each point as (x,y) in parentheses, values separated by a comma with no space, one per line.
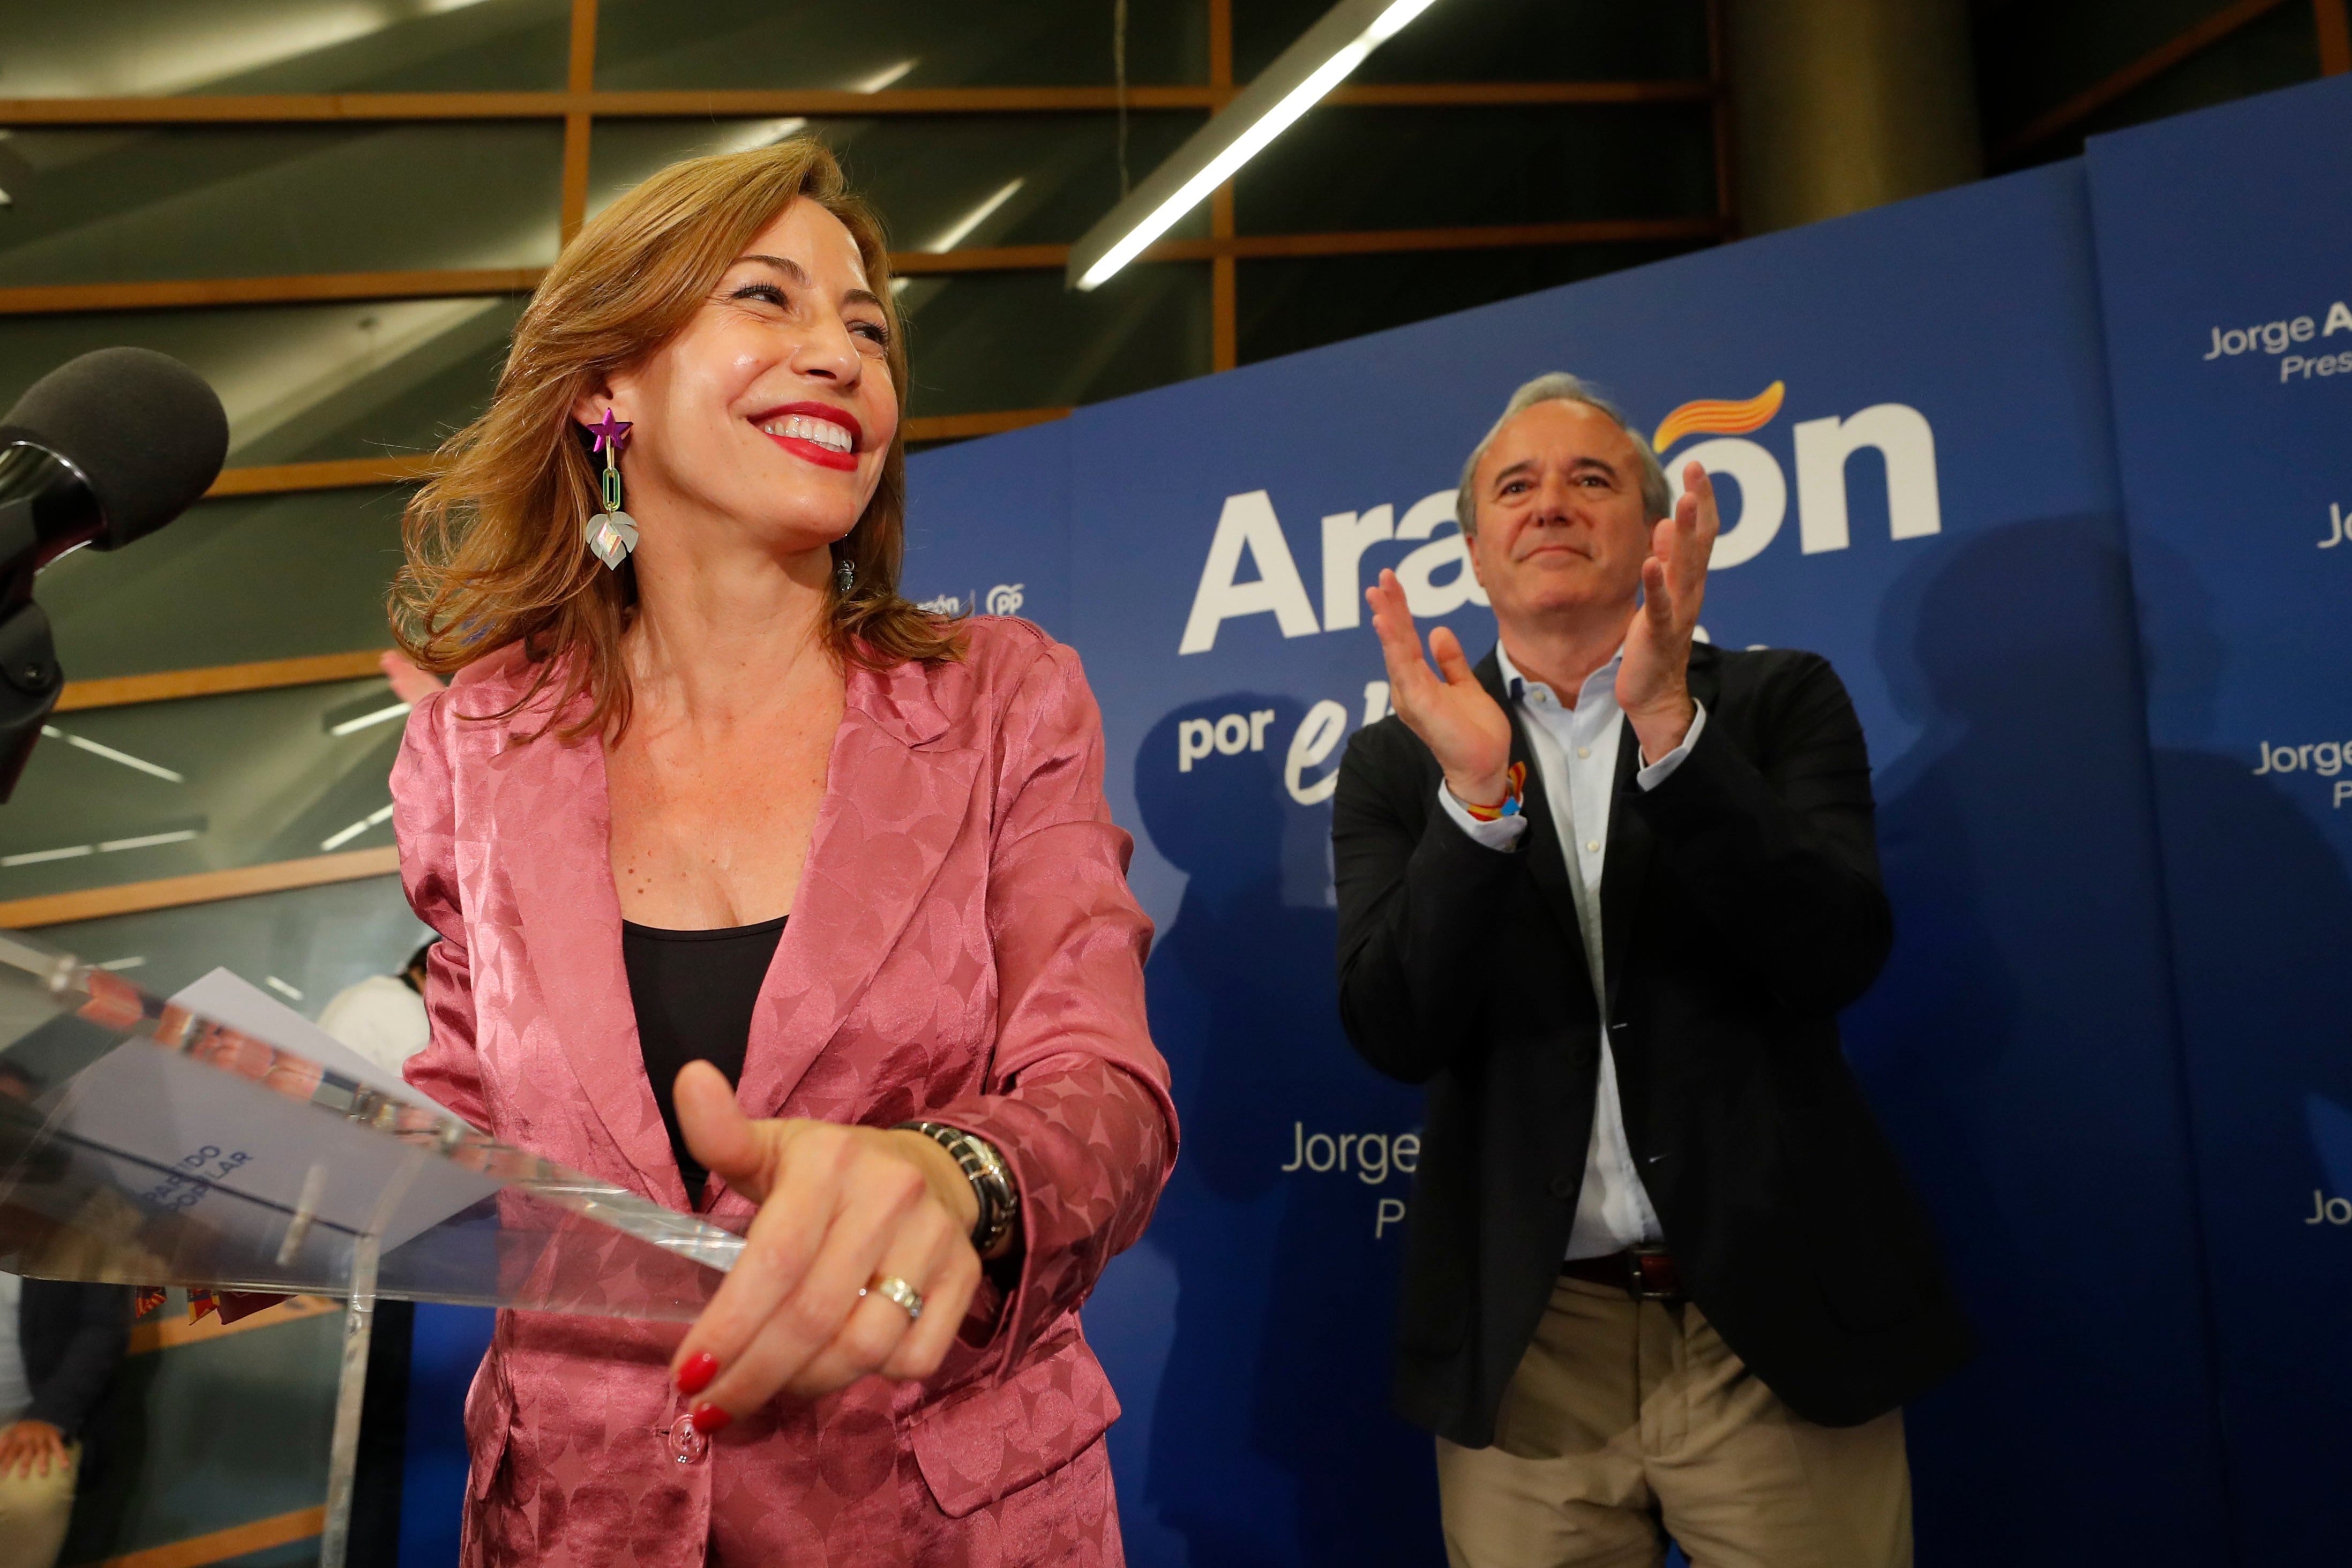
(494,545)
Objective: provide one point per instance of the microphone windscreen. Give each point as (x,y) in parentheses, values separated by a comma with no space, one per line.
(146,432)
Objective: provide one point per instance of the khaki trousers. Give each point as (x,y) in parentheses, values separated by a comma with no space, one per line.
(35,1510)
(1632,1421)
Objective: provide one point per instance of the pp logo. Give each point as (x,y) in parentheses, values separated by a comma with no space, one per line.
(1004,599)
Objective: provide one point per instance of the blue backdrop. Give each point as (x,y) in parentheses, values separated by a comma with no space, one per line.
(2103,944)
(2021,1045)
(2222,242)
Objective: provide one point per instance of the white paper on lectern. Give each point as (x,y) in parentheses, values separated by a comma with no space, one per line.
(224,997)
(167,1111)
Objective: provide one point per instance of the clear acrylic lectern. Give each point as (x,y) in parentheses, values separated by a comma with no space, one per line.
(142,1142)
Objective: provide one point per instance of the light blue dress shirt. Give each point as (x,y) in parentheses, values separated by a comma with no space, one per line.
(1575,751)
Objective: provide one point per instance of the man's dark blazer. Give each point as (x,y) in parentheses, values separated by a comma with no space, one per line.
(1740,910)
(72,1337)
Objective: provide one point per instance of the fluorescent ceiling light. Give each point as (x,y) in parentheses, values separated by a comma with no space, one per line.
(884,77)
(961,230)
(1297,79)
(764,133)
(380,716)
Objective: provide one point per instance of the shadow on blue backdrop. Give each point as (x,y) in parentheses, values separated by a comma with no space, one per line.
(2256,893)
(2008,647)
(1241,989)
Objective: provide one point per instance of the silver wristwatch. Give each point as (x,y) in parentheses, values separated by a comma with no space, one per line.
(991,1183)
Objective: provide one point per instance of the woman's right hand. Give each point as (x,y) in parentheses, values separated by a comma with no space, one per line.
(840,1208)
(1465,729)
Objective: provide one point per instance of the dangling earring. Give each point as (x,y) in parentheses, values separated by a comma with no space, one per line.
(845,577)
(611,533)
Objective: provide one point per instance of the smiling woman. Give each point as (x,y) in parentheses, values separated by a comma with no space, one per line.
(493,543)
(716,827)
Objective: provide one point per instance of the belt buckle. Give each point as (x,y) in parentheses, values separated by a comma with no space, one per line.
(1651,1275)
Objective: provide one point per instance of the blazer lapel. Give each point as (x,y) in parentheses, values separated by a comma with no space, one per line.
(1627,869)
(1627,866)
(553,815)
(894,803)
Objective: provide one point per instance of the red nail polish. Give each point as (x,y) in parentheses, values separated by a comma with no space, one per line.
(695,1375)
(709,1418)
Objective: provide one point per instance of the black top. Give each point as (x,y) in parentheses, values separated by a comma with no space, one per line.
(693,992)
(1742,909)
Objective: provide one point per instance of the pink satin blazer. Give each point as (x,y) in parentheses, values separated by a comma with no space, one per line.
(963,948)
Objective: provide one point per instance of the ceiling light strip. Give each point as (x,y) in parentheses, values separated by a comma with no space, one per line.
(1297,79)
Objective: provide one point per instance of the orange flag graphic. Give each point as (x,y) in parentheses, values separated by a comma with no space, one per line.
(1718,416)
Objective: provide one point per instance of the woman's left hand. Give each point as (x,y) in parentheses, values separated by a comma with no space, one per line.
(840,1208)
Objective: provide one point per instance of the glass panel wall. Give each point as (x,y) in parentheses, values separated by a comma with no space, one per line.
(1341,168)
(206,1434)
(124,48)
(1289,305)
(1502,41)
(169,789)
(303,383)
(234,581)
(135,205)
(313,941)
(941,182)
(990,341)
(776,44)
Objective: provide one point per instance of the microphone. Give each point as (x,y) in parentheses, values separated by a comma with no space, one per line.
(101,451)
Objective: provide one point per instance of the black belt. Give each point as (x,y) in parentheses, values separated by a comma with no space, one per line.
(1644,1275)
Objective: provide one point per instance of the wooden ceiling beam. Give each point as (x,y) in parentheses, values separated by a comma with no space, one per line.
(200,887)
(48,300)
(350,473)
(1483,236)
(580,80)
(2334,30)
(379,107)
(217,680)
(339,473)
(200,293)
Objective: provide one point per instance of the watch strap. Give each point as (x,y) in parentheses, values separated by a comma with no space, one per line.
(991,1180)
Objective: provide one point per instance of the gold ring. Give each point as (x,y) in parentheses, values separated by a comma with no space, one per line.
(899,1294)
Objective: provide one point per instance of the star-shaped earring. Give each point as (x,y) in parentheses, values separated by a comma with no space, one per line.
(610,432)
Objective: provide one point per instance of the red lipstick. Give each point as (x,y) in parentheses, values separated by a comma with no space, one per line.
(807,449)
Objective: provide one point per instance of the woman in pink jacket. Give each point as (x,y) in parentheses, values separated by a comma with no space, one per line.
(766,894)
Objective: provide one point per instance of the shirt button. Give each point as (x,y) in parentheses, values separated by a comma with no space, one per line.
(1593,846)
(1585,751)
(1562,1188)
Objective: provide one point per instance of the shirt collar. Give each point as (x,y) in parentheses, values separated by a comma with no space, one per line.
(1518,685)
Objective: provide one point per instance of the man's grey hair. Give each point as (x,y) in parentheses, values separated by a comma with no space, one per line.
(1560,387)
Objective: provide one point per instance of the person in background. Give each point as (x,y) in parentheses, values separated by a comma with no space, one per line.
(383,1017)
(1604,895)
(409,684)
(60,1345)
